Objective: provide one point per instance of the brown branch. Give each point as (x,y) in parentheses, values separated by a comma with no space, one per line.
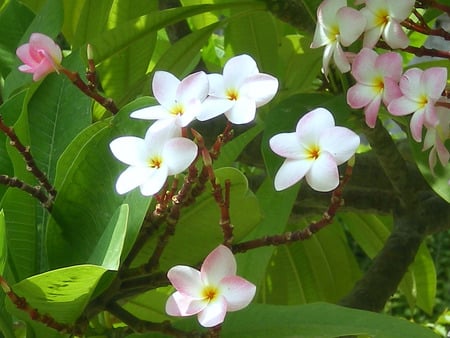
(418,51)
(36,192)
(28,158)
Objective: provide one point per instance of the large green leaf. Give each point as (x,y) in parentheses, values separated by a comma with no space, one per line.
(317,320)
(85,180)
(322,268)
(62,294)
(3,243)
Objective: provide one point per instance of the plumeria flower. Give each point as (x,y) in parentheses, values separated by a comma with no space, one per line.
(337,25)
(421,89)
(239,91)
(41,56)
(377,79)
(314,150)
(211,292)
(383,19)
(435,138)
(180,101)
(151,160)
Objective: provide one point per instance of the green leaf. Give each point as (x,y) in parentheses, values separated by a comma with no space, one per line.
(317,320)
(63,293)
(108,251)
(86,200)
(3,243)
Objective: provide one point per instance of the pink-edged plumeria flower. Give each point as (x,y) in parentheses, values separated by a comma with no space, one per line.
(211,292)
(239,91)
(41,56)
(151,160)
(383,19)
(314,150)
(435,138)
(180,101)
(377,79)
(337,25)
(421,89)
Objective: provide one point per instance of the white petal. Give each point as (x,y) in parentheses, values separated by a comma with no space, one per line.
(159,133)
(340,59)
(130,150)
(287,145)
(402,106)
(186,280)
(151,113)
(434,80)
(155,182)
(363,67)
(194,86)
(237,291)
(216,85)
(164,87)
(360,95)
(179,304)
(243,111)
(178,154)
(326,12)
(312,124)
(219,264)
(340,142)
(290,172)
(131,178)
(351,25)
(394,35)
(323,175)
(237,69)
(261,88)
(416,125)
(214,106)
(214,313)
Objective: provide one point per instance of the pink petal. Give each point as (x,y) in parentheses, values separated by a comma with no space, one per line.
(402,106)
(179,304)
(131,178)
(434,80)
(23,53)
(339,142)
(416,125)
(287,145)
(237,291)
(214,313)
(312,125)
(260,87)
(390,65)
(340,59)
(363,67)
(371,111)
(178,154)
(391,90)
(186,280)
(41,41)
(219,264)
(155,182)
(130,150)
(443,153)
(351,25)
(359,95)
(290,172)
(371,36)
(164,86)
(237,69)
(243,111)
(45,67)
(194,86)
(323,175)
(394,35)
(410,83)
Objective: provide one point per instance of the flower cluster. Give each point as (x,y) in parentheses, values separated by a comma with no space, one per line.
(380,78)
(164,152)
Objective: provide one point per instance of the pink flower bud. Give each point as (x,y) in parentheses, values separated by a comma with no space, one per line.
(41,56)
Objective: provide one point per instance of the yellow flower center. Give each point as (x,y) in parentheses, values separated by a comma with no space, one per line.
(313,153)
(423,101)
(382,17)
(210,293)
(177,109)
(232,94)
(379,84)
(155,162)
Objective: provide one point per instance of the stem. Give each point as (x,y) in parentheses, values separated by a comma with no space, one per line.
(36,192)
(29,161)
(418,51)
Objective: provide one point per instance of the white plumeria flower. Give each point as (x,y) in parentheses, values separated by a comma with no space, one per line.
(180,101)
(239,91)
(383,19)
(151,160)
(314,150)
(211,292)
(337,25)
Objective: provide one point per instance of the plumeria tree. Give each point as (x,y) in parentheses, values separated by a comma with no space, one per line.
(224,168)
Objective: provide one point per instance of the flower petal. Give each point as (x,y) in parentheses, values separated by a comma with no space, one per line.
(237,291)
(287,145)
(193,86)
(402,106)
(390,65)
(290,172)
(434,80)
(219,264)
(214,313)
(179,304)
(371,111)
(261,88)
(214,106)
(164,86)
(237,69)
(323,175)
(340,59)
(186,280)
(151,113)
(312,124)
(410,83)
(416,124)
(131,178)
(44,42)
(339,142)
(130,150)
(363,67)
(178,154)
(360,95)
(326,12)
(351,25)
(243,111)
(155,182)
(394,35)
